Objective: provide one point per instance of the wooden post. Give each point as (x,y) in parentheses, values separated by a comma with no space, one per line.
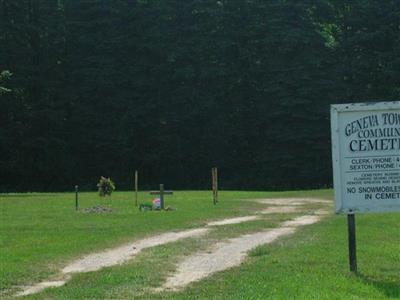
(213,185)
(136,188)
(76,198)
(162,196)
(351,226)
(216,184)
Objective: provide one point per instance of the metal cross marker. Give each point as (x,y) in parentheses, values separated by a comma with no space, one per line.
(161,192)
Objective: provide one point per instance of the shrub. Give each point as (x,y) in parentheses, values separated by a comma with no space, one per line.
(106,186)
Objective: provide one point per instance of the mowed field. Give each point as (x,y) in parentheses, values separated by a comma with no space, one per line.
(40,233)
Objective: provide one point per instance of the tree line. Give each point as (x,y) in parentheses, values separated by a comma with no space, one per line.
(172,88)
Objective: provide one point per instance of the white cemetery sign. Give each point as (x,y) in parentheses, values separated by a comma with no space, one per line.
(366,156)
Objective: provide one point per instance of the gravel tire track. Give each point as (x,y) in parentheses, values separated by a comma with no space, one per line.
(228,254)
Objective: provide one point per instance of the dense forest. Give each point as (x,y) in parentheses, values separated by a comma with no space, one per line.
(174,87)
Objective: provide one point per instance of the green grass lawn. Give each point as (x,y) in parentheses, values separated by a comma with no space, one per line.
(41,233)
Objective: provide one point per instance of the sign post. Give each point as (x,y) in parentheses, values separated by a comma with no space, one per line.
(351,227)
(366,161)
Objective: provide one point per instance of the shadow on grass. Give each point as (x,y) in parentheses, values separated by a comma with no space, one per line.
(391,289)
